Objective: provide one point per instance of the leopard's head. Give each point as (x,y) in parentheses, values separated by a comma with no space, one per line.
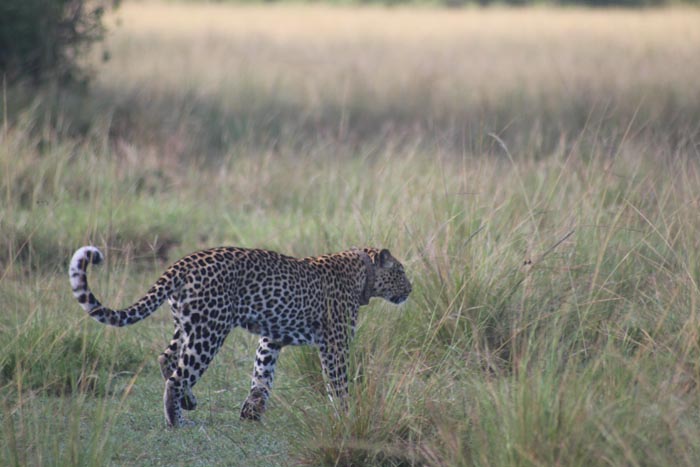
(390,281)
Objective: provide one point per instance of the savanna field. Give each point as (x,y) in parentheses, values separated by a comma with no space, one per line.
(536,170)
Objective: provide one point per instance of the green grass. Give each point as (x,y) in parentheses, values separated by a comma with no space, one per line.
(546,213)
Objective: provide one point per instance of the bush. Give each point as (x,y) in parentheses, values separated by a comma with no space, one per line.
(43,39)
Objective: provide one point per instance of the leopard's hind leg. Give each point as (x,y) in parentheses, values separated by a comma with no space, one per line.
(263,375)
(168,363)
(196,350)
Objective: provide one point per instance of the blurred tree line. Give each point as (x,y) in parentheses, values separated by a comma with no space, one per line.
(461,3)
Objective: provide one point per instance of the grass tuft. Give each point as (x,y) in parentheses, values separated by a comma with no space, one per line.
(56,360)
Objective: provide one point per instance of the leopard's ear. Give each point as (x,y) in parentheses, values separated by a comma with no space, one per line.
(385,259)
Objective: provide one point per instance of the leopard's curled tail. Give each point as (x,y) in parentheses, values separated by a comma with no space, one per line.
(143,308)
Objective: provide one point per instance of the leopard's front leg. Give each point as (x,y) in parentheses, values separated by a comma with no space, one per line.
(334,362)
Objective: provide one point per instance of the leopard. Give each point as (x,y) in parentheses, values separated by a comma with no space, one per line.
(286,301)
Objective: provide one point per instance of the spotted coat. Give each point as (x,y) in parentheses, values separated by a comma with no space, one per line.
(285,300)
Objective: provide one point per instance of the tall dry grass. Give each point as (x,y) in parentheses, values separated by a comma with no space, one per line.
(295,72)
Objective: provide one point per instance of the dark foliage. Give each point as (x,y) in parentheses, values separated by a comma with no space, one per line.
(44,39)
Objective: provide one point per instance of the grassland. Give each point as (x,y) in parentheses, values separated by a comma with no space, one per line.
(537,170)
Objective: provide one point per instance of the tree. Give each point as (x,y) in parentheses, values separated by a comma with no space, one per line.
(43,39)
